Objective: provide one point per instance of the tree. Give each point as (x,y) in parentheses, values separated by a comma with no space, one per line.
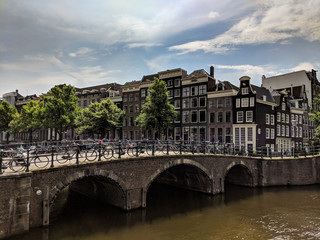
(99,118)
(60,108)
(29,119)
(7,113)
(157,113)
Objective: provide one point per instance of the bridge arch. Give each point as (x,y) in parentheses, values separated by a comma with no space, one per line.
(238,173)
(182,162)
(55,190)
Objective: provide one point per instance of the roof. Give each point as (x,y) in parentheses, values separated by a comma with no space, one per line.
(114,86)
(262,91)
(198,73)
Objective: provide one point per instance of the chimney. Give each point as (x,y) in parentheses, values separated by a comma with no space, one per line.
(212,71)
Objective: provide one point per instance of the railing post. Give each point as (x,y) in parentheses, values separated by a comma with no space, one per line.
(205,147)
(28,160)
(137,149)
(180,147)
(305,151)
(119,145)
(77,155)
(1,162)
(153,142)
(52,157)
(192,147)
(99,158)
(167,147)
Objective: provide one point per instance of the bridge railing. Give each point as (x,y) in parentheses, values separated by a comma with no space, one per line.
(25,158)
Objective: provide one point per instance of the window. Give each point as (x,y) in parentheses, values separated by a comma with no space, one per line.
(137,108)
(267,119)
(211,103)
(287,131)
(194,102)
(137,97)
(283,117)
(267,133)
(283,107)
(228,135)
(300,119)
(170,83)
(85,103)
(252,102)
(143,93)
(283,132)
(245,90)
(292,131)
(220,135)
(177,82)
(194,116)
(186,117)
(239,116)
(211,134)
(194,91)
(185,103)
(202,102)
(287,118)
(202,89)
(220,103)
(300,131)
(125,98)
(170,93)
(249,116)
(278,130)
(177,103)
(131,108)
(278,117)
(228,102)
(177,92)
(130,97)
(272,133)
(272,119)
(202,115)
(237,102)
(237,136)
(212,117)
(219,117)
(186,92)
(244,102)
(228,116)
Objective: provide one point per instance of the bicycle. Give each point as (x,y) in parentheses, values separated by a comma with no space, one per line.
(68,153)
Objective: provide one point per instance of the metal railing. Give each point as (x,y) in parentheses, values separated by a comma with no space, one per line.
(26,157)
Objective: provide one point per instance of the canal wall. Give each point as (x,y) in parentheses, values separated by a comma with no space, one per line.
(26,198)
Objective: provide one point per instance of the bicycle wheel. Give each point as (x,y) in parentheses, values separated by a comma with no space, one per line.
(91,155)
(132,151)
(41,161)
(63,157)
(149,149)
(107,153)
(175,148)
(17,165)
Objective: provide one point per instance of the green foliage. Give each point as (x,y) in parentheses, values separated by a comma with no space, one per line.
(7,113)
(60,108)
(28,119)
(99,118)
(157,113)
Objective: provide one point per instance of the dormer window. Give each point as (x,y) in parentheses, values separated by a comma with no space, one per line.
(245,90)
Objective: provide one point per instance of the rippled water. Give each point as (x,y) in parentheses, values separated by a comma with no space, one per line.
(240,213)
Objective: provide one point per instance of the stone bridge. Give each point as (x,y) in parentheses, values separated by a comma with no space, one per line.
(26,198)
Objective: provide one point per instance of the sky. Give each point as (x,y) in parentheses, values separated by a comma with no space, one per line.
(86,43)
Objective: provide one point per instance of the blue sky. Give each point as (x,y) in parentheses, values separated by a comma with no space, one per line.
(85,43)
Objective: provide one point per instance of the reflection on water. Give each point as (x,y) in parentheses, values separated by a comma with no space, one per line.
(171,213)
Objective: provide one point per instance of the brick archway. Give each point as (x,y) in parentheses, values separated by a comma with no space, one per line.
(79,175)
(244,167)
(175,163)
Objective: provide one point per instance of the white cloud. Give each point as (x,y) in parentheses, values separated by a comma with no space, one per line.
(213,14)
(273,21)
(303,66)
(143,45)
(81,52)
(249,69)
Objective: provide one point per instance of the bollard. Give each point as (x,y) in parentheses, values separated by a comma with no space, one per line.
(28,160)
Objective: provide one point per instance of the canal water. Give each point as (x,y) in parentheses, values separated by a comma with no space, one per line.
(175,214)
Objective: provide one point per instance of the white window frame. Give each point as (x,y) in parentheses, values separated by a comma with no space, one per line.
(252,102)
(248,118)
(272,133)
(240,116)
(271,119)
(245,102)
(245,90)
(237,102)
(267,118)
